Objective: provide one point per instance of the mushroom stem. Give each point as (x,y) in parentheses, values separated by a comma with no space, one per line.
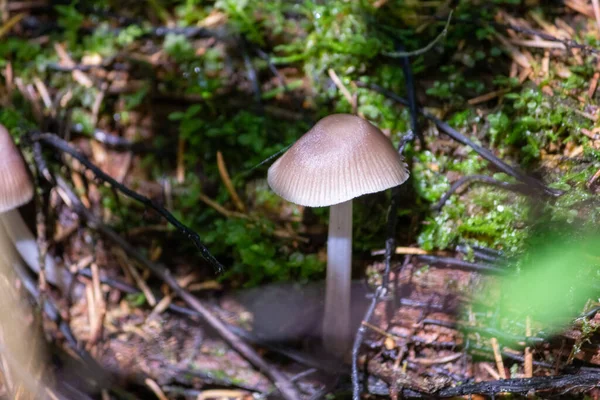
(336,321)
(25,243)
(21,347)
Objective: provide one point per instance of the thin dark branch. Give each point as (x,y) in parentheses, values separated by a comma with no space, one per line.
(481,253)
(251,73)
(211,378)
(411,95)
(461,264)
(272,68)
(454,134)
(356,388)
(86,68)
(542,384)
(119,143)
(515,187)
(187,31)
(61,145)
(563,383)
(114,283)
(489,332)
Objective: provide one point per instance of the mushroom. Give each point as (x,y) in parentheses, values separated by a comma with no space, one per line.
(16,189)
(342,157)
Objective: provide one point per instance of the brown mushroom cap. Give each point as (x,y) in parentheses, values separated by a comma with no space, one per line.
(16,188)
(342,157)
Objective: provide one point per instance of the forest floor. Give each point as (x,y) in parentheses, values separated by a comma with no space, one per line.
(495,106)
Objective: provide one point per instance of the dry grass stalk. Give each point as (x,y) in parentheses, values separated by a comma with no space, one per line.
(156,389)
(219,208)
(180,171)
(228,184)
(596,8)
(65,59)
(580,7)
(539,44)
(345,92)
(11,23)
(486,97)
(132,271)
(490,370)
(528,353)
(498,358)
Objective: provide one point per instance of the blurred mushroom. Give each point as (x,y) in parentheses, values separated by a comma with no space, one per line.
(21,342)
(16,189)
(340,158)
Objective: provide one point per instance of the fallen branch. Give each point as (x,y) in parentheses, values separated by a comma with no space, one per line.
(454,134)
(520,188)
(61,145)
(461,264)
(543,384)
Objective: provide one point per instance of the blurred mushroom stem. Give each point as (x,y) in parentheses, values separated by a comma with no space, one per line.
(21,346)
(24,241)
(336,320)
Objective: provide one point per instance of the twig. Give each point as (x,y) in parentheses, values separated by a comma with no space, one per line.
(519,187)
(63,146)
(87,68)
(490,370)
(537,384)
(228,184)
(66,59)
(481,253)
(155,389)
(528,354)
(460,264)
(454,134)
(8,25)
(487,97)
(219,208)
(402,250)
(279,379)
(180,171)
(273,68)
(119,143)
(580,7)
(340,85)
(99,305)
(141,283)
(498,358)
(356,389)
(515,53)
(251,73)
(429,46)
(411,95)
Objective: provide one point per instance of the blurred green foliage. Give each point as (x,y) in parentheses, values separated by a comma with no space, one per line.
(557,274)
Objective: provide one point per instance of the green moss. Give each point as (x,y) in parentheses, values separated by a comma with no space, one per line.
(482,215)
